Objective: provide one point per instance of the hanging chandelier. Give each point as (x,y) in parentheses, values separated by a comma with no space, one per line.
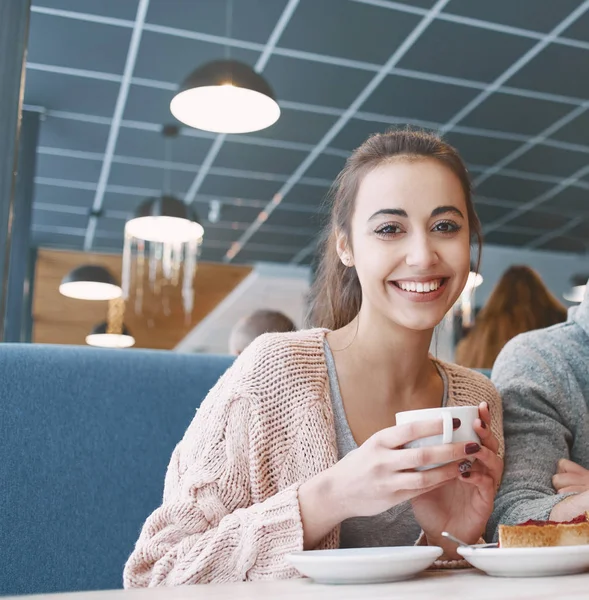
(161,247)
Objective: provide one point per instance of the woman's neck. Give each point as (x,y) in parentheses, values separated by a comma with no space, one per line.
(387,356)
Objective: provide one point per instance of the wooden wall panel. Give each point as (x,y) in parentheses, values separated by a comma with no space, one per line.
(61,320)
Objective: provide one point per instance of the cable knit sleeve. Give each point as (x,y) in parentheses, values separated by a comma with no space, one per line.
(211,527)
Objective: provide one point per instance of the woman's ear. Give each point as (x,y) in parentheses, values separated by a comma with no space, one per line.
(343,250)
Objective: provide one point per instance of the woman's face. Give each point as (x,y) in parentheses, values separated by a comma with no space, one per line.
(410,242)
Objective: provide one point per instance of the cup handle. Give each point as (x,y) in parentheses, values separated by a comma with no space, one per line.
(448,428)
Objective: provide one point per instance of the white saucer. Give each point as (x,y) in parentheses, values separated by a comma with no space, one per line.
(364,565)
(528,562)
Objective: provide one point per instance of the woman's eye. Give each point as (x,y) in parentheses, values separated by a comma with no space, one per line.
(390,229)
(446,227)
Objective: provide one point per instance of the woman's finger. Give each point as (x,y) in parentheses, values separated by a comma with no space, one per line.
(568,466)
(561,480)
(421,480)
(487,437)
(398,436)
(485,413)
(574,489)
(413,458)
(492,462)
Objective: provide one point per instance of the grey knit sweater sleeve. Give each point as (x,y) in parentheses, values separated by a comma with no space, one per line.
(538,423)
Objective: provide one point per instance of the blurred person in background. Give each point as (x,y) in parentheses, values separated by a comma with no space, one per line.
(246,330)
(520,302)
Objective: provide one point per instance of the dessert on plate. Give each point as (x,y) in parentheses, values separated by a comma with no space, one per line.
(542,534)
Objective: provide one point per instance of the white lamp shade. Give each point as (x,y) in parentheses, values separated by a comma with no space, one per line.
(90,282)
(101,339)
(225,96)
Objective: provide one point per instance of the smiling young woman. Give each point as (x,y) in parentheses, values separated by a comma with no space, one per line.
(297,445)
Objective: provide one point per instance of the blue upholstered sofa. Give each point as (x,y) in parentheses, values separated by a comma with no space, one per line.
(85,438)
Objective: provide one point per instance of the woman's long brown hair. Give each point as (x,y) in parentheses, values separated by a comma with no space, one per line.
(336,295)
(520,302)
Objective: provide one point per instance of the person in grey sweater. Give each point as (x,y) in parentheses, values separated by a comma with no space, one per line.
(543,379)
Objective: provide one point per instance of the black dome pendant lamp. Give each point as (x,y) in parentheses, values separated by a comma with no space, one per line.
(225,96)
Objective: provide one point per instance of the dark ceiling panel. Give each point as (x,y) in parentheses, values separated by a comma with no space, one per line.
(347,29)
(547,221)
(252,20)
(515,13)
(53,195)
(575,132)
(551,161)
(356,132)
(507,238)
(52,239)
(565,244)
(237,187)
(126,9)
(149,177)
(564,65)
(505,112)
(327,166)
(280,239)
(488,213)
(315,83)
(461,51)
(54,91)
(477,150)
(297,126)
(73,135)
(171,59)
(579,30)
(259,158)
(571,200)
(412,98)
(78,44)
(61,167)
(309,195)
(512,188)
(185,149)
(290,218)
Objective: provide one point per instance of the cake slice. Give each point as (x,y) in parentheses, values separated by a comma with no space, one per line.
(540,534)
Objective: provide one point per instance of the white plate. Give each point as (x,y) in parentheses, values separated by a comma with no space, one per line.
(528,562)
(364,565)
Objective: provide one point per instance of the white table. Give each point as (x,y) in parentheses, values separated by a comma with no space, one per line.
(438,585)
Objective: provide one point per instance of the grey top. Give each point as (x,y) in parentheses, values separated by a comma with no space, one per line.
(543,379)
(394,527)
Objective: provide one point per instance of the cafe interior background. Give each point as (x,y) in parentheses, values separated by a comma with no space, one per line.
(170,224)
(99,143)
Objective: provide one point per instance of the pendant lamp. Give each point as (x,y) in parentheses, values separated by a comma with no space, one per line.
(225,96)
(112,333)
(577,291)
(101,337)
(90,282)
(164,235)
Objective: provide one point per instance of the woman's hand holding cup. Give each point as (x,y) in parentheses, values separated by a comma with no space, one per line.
(380,474)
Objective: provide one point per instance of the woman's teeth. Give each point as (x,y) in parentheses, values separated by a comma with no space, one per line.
(419,286)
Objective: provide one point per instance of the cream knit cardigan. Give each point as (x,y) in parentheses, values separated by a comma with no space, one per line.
(230,510)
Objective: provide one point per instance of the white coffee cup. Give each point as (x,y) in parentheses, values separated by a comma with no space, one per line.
(465,433)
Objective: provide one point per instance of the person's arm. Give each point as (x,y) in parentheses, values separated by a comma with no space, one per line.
(208,528)
(537,433)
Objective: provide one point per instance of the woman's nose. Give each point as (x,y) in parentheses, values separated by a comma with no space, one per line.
(421,252)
